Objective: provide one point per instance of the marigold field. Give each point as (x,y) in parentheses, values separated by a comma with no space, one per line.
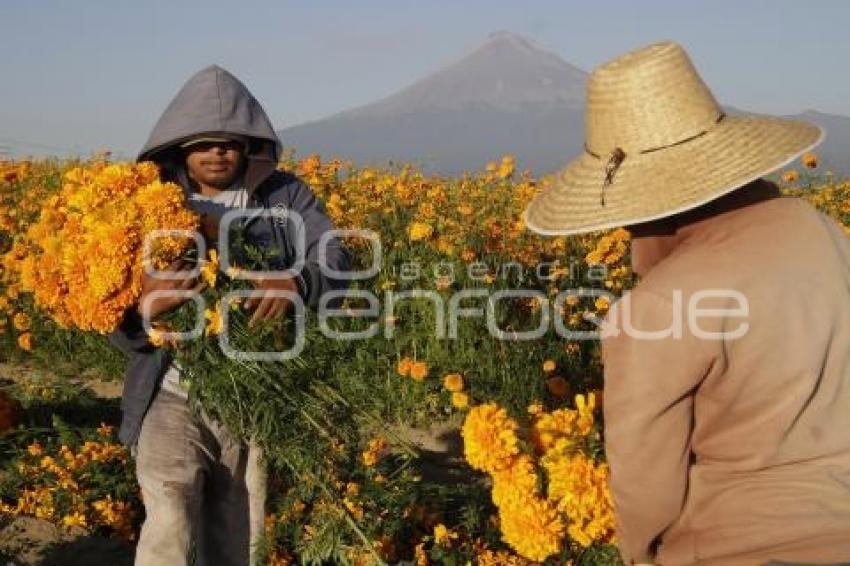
(471,445)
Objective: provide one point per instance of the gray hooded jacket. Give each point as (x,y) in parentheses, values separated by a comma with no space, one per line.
(214,102)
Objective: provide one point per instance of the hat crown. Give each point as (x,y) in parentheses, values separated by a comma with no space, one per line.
(647,100)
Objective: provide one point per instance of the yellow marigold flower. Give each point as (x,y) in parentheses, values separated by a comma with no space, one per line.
(35,449)
(585,407)
(810,160)
(506,167)
(551,427)
(420,555)
(465,209)
(215,322)
(75,519)
(490,441)
(21,321)
(515,483)
(209,270)
(156,335)
(533,527)
(453,382)
(602,303)
(419,231)
(25,341)
(105,429)
(404,366)
(549,366)
(621,234)
(467,255)
(791,176)
(460,400)
(443,282)
(594,258)
(579,488)
(375,450)
(499,558)
(443,536)
(13,292)
(535,409)
(419,371)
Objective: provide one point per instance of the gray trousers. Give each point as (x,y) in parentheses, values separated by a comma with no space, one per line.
(200,486)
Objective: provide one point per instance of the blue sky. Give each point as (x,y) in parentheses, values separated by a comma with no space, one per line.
(88,75)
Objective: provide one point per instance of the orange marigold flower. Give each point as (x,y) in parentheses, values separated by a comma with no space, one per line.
(490,441)
(460,400)
(419,231)
(810,160)
(404,366)
(25,341)
(443,535)
(75,519)
(453,382)
(215,322)
(418,371)
(21,321)
(375,450)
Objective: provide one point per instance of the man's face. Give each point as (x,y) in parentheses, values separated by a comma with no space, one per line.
(215,164)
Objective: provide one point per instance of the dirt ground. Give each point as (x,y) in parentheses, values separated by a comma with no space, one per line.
(26,541)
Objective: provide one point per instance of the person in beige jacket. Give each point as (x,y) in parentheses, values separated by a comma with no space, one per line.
(727,368)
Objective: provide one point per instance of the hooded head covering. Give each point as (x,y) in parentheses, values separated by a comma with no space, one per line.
(213,103)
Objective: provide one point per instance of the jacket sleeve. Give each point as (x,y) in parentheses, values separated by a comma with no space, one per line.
(314,282)
(130,336)
(648,410)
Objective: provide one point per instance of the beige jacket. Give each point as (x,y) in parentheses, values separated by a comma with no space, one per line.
(735,450)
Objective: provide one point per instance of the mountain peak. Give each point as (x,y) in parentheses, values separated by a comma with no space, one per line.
(512,39)
(506,72)
(504,95)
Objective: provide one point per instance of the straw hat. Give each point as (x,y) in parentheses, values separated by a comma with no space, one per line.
(656,144)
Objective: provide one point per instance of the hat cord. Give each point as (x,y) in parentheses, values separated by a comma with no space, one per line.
(618,156)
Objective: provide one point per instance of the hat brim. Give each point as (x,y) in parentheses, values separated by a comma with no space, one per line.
(212,139)
(658,184)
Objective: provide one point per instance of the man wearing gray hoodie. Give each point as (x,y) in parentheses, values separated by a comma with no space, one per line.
(200,485)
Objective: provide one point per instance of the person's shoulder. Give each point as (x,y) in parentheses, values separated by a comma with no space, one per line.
(283,186)
(282,180)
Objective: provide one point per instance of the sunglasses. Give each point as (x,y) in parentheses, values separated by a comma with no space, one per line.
(208,145)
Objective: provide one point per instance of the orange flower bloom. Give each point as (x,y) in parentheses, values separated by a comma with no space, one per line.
(419,371)
(810,160)
(25,341)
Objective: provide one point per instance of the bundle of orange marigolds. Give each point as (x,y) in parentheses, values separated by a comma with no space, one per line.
(83,258)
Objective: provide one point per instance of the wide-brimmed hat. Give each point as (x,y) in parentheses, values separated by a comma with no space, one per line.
(657,143)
